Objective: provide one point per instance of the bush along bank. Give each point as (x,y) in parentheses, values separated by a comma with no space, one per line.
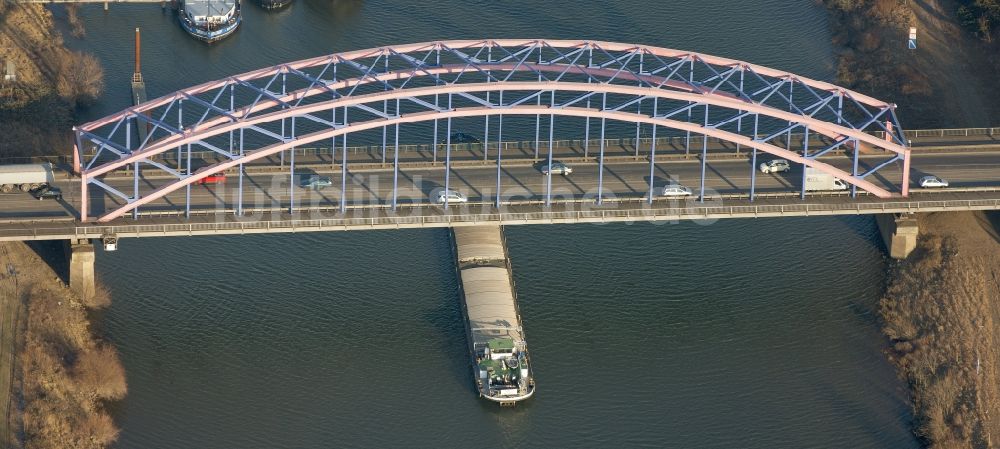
(942,317)
(67,374)
(38,108)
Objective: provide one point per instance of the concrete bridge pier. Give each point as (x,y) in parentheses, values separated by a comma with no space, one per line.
(899,232)
(81,267)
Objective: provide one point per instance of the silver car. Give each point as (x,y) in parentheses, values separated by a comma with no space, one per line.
(451,196)
(775,166)
(929,182)
(675,190)
(558,168)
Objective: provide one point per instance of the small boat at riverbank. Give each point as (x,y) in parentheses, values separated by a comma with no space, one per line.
(210,20)
(274,4)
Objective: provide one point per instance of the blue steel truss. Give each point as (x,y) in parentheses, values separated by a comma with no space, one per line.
(244,116)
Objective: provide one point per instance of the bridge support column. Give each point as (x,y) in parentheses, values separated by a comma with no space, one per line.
(81,267)
(899,232)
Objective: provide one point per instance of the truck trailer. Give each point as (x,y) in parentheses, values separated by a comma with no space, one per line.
(817,180)
(25,177)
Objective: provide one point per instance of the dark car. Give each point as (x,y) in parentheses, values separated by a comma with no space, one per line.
(462,138)
(47,191)
(315,182)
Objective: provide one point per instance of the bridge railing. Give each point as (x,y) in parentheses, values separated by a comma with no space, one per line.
(458,219)
(955,132)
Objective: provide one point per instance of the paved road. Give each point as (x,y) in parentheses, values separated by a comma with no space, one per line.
(666,147)
(921,141)
(519,181)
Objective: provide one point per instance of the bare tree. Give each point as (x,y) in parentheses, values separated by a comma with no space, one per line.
(81,78)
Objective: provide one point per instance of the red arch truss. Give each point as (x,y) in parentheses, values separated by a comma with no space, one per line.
(683,91)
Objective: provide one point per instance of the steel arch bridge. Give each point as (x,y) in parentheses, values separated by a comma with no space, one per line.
(254,115)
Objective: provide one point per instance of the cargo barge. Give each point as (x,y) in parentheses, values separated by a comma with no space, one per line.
(501,366)
(210,20)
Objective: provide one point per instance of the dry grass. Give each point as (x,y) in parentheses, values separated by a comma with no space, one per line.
(941,314)
(36,111)
(66,373)
(73,17)
(99,373)
(870,34)
(948,81)
(99,300)
(67,376)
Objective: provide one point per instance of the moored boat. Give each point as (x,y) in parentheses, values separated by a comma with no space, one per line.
(210,20)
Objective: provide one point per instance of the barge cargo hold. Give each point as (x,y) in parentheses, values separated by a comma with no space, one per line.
(501,364)
(210,20)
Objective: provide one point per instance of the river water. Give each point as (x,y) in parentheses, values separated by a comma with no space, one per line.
(742,333)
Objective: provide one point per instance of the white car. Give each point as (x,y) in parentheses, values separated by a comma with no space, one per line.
(558,168)
(452,196)
(932,182)
(675,190)
(775,166)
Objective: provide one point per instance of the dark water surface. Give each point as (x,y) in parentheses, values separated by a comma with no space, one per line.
(738,334)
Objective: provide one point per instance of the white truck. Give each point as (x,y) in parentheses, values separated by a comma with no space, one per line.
(25,177)
(817,180)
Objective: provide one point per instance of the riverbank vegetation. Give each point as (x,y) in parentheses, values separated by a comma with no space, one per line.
(38,107)
(940,310)
(942,317)
(68,376)
(982,17)
(949,80)
(65,374)
(871,35)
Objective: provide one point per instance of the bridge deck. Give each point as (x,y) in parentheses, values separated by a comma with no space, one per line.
(423,216)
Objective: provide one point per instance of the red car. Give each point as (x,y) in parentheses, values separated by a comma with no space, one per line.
(214,178)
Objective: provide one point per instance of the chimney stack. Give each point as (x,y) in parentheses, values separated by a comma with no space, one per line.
(138,64)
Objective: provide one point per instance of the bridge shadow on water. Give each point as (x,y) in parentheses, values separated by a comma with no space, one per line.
(868,230)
